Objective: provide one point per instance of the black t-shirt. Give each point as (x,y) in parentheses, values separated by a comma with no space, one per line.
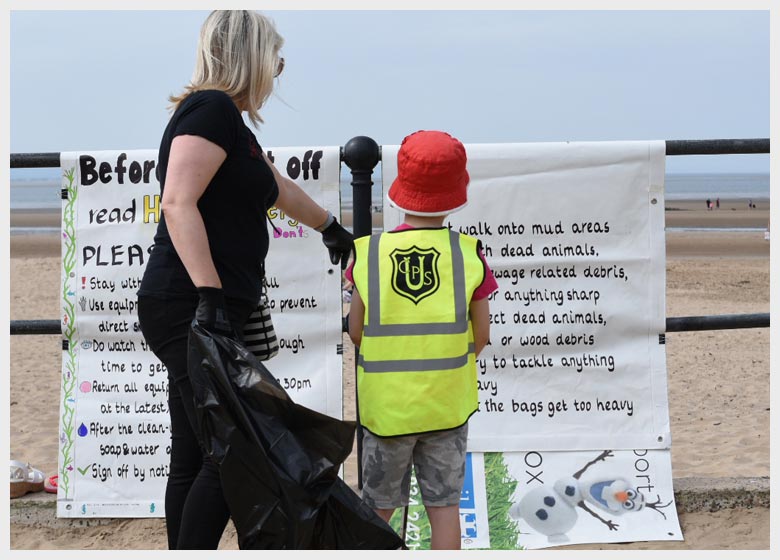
(233,205)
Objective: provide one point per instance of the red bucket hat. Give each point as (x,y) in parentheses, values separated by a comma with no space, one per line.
(432,177)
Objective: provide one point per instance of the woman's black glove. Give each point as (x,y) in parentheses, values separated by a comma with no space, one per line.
(211,313)
(339,243)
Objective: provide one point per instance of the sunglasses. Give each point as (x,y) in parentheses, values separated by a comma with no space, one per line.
(279,67)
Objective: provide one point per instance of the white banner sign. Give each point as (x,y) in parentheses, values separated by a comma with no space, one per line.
(574,233)
(114,427)
(305,288)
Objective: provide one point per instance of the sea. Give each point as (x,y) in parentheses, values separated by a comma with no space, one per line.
(39,189)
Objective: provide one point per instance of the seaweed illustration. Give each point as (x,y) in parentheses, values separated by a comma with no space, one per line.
(418,527)
(68,404)
(499,487)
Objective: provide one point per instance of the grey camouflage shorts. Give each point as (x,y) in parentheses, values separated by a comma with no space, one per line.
(439,460)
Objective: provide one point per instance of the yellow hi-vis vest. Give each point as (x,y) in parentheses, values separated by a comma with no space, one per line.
(416,369)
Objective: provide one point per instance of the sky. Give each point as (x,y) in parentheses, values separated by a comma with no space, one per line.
(89,80)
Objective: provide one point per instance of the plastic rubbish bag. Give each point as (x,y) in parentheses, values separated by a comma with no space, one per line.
(278,460)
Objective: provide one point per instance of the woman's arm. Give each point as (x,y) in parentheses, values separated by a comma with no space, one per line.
(294,202)
(192,163)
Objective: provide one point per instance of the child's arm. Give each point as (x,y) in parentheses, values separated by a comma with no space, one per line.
(356,313)
(480,322)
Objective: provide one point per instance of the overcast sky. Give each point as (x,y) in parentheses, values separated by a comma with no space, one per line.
(88,80)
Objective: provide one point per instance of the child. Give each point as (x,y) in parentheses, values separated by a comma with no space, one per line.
(420,316)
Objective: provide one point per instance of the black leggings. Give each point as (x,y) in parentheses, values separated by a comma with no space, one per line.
(196,513)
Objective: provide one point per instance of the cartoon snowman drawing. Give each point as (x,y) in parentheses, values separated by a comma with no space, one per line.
(553,511)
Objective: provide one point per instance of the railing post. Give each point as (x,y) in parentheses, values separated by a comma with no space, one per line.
(361,154)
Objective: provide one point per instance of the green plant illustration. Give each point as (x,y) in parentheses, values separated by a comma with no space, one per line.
(418,528)
(500,487)
(68,404)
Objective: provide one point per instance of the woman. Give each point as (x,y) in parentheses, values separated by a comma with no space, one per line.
(216,185)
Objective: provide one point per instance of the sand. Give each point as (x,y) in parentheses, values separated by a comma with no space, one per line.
(719,401)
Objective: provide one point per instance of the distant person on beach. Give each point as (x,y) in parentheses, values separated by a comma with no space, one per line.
(717,203)
(427,289)
(709,204)
(216,186)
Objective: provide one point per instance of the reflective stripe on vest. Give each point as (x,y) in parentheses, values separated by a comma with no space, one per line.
(431,364)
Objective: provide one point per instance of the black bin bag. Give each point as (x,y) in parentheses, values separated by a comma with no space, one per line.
(278,460)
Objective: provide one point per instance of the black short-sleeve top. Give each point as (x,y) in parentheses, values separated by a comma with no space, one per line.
(233,205)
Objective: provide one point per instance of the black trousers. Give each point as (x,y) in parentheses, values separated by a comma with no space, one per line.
(196,513)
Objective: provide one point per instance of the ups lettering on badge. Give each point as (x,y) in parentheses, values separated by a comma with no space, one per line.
(415,272)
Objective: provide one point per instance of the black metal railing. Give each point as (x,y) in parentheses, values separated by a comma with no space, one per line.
(673,324)
(361,154)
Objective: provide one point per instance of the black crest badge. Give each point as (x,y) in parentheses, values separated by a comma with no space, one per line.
(415,272)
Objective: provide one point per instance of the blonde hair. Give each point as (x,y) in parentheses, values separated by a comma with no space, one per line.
(238,53)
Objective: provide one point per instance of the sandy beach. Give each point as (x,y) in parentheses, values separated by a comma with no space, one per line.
(719,401)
